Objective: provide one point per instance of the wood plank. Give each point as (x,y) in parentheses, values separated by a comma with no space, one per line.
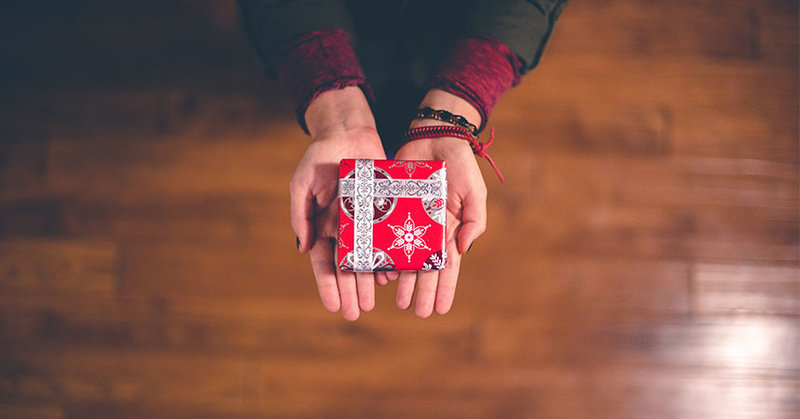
(210,38)
(628,129)
(51,266)
(513,338)
(150,113)
(635,96)
(8,411)
(672,208)
(31,216)
(723,29)
(220,267)
(758,345)
(720,288)
(265,385)
(22,165)
(130,171)
(204,218)
(763,87)
(533,282)
(243,327)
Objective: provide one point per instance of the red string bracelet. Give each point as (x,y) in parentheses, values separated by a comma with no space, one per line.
(439,131)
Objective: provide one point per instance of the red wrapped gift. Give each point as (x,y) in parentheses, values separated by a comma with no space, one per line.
(392,215)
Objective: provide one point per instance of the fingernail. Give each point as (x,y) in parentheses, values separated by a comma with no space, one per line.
(470,246)
(298,243)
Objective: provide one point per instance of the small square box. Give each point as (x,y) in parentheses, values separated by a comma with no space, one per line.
(392,215)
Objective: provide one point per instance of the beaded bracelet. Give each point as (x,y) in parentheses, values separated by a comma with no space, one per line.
(445,116)
(439,131)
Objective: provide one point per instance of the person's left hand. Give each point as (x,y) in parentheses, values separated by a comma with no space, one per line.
(466,220)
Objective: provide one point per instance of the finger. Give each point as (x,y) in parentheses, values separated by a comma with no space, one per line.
(426,293)
(405,289)
(365,283)
(392,275)
(348,294)
(473,218)
(448,277)
(322,264)
(381,278)
(302,212)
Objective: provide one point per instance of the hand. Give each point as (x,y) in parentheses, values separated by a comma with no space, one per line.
(341,126)
(466,210)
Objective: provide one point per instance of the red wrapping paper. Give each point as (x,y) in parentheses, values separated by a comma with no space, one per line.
(392,215)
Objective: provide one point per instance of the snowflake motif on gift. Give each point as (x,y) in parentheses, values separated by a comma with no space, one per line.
(409,165)
(409,237)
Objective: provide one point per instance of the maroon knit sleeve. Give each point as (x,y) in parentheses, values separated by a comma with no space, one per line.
(479,70)
(316,62)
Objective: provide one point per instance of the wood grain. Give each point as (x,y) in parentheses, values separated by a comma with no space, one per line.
(642,259)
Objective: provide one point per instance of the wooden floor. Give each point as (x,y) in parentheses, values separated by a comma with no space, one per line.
(641,260)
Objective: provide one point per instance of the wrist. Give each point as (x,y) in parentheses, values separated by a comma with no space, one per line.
(339,111)
(442,100)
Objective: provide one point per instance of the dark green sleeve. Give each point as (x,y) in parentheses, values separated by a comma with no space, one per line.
(523,25)
(271,23)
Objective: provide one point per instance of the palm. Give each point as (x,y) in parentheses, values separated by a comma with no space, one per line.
(466,215)
(318,172)
(313,189)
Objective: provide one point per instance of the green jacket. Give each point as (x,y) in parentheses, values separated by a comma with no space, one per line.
(412,26)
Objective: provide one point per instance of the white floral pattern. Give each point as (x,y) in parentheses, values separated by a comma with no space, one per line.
(409,237)
(435,262)
(409,165)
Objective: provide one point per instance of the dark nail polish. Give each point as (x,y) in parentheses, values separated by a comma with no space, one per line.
(470,246)
(298,243)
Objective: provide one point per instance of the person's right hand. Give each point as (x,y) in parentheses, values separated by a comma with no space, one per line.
(341,126)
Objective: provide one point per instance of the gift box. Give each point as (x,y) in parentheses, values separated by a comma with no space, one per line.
(392,215)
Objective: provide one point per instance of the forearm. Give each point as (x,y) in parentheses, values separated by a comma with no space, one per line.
(316,63)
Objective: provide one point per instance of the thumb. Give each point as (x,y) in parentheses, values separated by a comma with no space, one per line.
(302,214)
(473,220)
